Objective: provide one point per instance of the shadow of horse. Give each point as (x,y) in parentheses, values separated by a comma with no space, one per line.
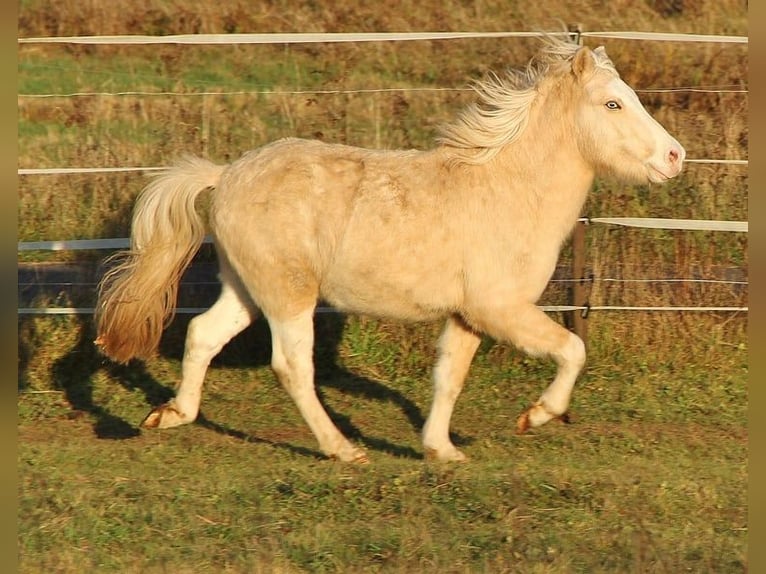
(74,374)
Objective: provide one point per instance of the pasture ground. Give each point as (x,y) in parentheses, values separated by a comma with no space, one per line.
(651,475)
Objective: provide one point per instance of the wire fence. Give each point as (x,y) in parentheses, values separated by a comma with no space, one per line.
(232,39)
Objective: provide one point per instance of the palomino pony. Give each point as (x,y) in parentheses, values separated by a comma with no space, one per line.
(469,231)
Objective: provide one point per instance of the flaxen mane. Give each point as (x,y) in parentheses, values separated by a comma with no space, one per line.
(501,113)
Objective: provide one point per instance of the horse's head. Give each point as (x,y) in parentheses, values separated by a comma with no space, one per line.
(614,132)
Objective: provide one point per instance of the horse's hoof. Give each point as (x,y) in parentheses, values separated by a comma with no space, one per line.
(164,417)
(522,423)
(360,458)
(452,455)
(353,455)
(536,416)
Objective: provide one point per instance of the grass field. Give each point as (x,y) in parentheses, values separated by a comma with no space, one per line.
(650,476)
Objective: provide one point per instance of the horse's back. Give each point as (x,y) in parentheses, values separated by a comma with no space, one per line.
(369,230)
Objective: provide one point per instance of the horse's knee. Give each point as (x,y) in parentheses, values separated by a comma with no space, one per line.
(573,352)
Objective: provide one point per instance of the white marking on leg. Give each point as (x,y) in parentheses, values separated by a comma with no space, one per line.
(554,401)
(457,347)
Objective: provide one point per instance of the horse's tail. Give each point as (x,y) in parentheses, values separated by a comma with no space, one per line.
(137,296)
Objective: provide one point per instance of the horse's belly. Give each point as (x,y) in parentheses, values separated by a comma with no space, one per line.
(394,293)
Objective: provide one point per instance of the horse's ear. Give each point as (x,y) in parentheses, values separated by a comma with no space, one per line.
(583,62)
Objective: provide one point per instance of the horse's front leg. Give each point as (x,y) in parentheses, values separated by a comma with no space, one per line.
(457,346)
(531,330)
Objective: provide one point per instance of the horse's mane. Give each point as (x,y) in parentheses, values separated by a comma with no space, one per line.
(502,112)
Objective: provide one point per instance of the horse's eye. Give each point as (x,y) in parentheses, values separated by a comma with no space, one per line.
(612,105)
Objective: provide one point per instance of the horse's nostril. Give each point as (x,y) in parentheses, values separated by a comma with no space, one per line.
(673,156)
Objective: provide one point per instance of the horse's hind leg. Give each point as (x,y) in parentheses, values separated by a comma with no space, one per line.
(205,337)
(457,347)
(533,331)
(292,361)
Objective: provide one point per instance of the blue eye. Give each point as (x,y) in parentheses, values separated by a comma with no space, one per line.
(612,105)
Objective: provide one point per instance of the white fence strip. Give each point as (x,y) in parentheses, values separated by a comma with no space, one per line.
(724,161)
(55,311)
(704,309)
(667,37)
(727,89)
(342,92)
(698,90)
(80,170)
(303,38)
(75,244)
(82,244)
(287,38)
(588,280)
(644,222)
(666,280)
(90,310)
(361,91)
(91,170)
(683,224)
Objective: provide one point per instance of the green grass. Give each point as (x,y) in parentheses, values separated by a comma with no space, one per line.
(650,476)
(550,506)
(163,69)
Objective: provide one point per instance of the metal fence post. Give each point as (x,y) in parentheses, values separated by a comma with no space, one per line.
(579,291)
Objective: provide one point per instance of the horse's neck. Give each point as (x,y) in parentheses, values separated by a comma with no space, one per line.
(539,182)
(546,168)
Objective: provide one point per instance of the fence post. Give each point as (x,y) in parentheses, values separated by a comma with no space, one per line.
(575,32)
(579,291)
